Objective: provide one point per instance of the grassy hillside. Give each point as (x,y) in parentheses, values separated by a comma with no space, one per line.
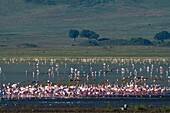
(47,25)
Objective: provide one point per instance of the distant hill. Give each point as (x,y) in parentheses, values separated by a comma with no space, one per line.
(47,22)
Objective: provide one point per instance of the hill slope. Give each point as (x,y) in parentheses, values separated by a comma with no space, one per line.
(47,22)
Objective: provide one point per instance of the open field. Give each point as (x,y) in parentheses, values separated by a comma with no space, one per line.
(48,25)
(86,51)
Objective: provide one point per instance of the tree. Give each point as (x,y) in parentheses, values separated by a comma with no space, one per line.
(89,34)
(94,36)
(140,41)
(85,33)
(73,33)
(163,35)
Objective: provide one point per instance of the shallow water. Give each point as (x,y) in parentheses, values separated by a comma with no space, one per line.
(157,101)
(90,72)
(59,72)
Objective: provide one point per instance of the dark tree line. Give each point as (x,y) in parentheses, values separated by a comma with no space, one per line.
(133,41)
(71,2)
(140,41)
(73,33)
(161,36)
(49,2)
(94,39)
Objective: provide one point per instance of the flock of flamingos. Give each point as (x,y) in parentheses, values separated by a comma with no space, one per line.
(76,83)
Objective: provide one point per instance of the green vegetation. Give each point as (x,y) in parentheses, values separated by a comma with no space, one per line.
(125,42)
(89,34)
(40,27)
(70,2)
(166,109)
(161,36)
(87,51)
(140,108)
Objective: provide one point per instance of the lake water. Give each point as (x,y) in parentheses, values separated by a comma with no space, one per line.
(89,71)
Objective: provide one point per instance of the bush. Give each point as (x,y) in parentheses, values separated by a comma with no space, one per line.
(49,2)
(120,42)
(71,2)
(93,42)
(103,39)
(140,41)
(89,43)
(165,44)
(140,108)
(27,45)
(166,109)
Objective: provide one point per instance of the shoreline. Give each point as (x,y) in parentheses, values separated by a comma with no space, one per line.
(87,52)
(162,97)
(108,109)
